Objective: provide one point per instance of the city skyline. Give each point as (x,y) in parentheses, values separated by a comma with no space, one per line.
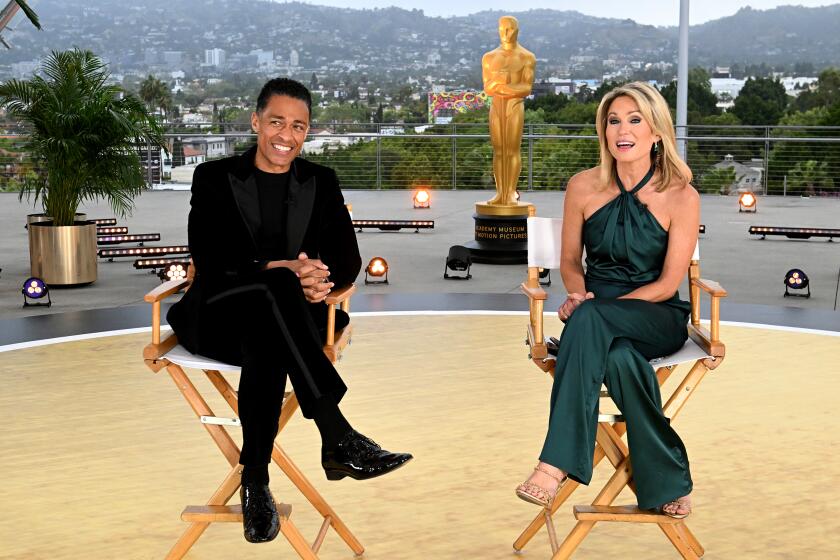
(658,12)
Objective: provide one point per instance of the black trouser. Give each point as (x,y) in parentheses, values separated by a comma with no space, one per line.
(276,336)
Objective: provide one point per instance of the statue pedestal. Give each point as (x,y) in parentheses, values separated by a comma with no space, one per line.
(501,234)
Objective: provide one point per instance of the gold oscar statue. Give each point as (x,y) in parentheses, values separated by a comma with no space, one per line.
(508,74)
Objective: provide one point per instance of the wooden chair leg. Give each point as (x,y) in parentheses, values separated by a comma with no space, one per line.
(295,538)
(318,502)
(538,522)
(290,406)
(620,478)
(221,496)
(201,408)
(689,538)
(673,534)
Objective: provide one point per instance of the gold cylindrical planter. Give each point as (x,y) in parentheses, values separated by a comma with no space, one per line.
(63,255)
(32,218)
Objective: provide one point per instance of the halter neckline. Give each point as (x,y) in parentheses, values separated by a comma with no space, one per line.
(645,180)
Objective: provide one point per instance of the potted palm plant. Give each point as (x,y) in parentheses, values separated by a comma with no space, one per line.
(83,141)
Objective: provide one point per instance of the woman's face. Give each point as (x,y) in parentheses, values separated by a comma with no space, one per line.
(629,135)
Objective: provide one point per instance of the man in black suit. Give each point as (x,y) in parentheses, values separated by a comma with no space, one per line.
(270,237)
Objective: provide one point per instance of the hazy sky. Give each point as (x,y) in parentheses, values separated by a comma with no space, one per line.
(652,12)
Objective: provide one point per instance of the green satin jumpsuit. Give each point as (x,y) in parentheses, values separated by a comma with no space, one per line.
(608,340)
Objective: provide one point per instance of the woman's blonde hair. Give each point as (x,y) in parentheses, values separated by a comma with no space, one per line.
(654,109)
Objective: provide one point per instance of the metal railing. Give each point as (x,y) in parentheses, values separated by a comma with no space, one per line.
(770,160)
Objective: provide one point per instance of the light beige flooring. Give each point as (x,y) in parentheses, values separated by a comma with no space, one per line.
(100,455)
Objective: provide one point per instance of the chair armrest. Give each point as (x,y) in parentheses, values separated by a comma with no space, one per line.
(340,295)
(710,287)
(533,292)
(164,290)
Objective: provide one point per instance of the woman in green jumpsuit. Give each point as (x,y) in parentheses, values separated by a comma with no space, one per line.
(625,309)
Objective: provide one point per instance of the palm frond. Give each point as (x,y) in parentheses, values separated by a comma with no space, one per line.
(30,13)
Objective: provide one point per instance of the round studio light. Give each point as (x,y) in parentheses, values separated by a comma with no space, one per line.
(377,266)
(34,288)
(796,279)
(176,272)
(747,202)
(422,198)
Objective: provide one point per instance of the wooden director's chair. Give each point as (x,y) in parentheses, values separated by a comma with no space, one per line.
(167,353)
(702,351)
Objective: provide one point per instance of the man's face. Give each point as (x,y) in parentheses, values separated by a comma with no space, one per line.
(281,129)
(508,30)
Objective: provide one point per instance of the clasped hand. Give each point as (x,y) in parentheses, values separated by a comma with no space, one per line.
(572,302)
(313,274)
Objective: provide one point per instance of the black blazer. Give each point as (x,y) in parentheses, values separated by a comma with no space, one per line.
(223,223)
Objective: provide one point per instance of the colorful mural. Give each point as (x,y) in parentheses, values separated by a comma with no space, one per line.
(443,106)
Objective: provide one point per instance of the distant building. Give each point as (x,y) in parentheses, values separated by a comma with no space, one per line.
(214,57)
(795,86)
(721,72)
(264,58)
(294,59)
(193,155)
(730,86)
(209,146)
(552,87)
(748,176)
(173,59)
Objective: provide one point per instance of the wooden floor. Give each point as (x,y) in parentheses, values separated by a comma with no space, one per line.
(100,455)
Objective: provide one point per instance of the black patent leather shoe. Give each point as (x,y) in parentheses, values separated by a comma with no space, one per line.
(259,514)
(360,457)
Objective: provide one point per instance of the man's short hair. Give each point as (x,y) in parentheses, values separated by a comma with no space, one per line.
(283,86)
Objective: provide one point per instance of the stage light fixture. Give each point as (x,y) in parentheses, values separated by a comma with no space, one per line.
(747,202)
(159,263)
(376,271)
(138,238)
(702,228)
(111,230)
(394,225)
(110,254)
(794,232)
(174,271)
(796,279)
(35,289)
(105,222)
(545,276)
(422,198)
(459,259)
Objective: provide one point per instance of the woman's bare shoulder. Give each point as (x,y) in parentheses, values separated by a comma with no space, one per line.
(584,182)
(681,193)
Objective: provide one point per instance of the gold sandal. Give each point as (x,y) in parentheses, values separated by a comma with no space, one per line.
(535,494)
(679,504)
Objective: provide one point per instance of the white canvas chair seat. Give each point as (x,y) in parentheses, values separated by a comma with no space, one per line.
(702,352)
(183,357)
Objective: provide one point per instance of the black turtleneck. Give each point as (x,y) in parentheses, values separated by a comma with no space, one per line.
(273,193)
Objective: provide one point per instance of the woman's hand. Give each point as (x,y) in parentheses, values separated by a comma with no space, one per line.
(572,302)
